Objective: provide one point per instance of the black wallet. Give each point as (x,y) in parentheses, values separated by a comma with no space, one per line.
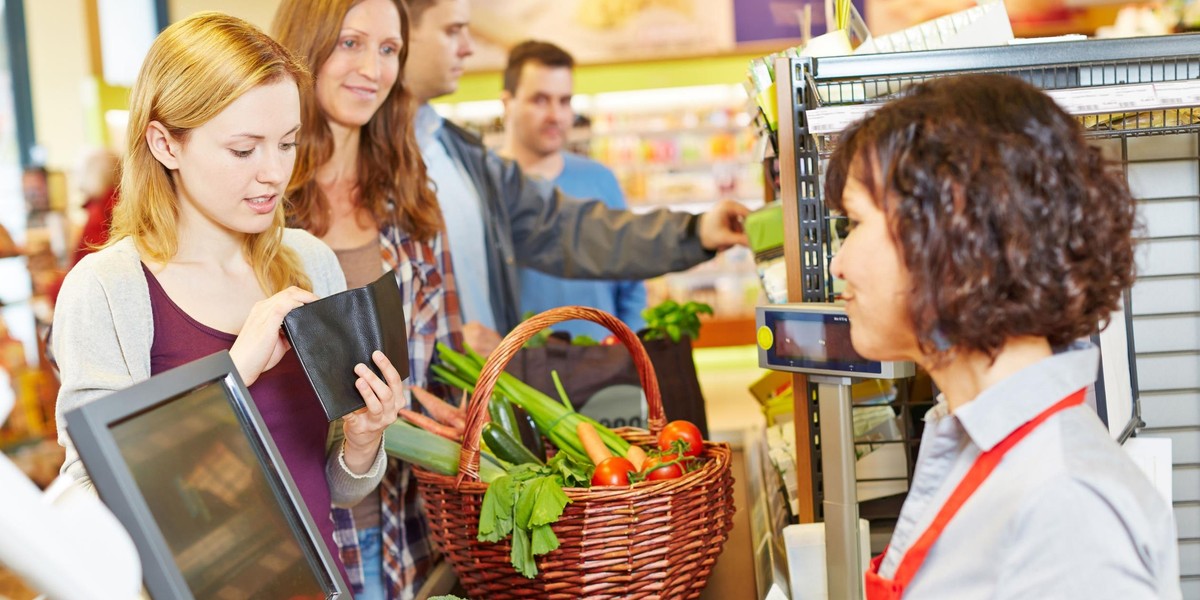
(335,333)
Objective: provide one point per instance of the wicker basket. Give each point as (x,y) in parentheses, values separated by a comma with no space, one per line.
(651,540)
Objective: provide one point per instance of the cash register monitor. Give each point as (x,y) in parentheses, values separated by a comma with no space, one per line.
(185,463)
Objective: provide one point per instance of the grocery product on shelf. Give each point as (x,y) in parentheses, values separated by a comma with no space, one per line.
(683,147)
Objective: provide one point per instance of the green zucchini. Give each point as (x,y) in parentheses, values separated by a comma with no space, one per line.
(506,447)
(501,411)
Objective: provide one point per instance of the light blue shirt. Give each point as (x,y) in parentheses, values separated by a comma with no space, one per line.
(1065,515)
(585,178)
(461,209)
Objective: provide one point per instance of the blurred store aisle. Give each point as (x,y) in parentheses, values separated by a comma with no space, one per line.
(725,376)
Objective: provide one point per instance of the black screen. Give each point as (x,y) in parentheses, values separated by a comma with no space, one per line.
(210,497)
(817,341)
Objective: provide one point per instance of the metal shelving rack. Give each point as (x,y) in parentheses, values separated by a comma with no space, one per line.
(1121,90)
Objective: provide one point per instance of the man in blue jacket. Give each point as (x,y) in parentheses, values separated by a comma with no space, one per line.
(499,220)
(538,85)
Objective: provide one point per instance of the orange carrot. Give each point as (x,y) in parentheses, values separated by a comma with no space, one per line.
(636,455)
(592,444)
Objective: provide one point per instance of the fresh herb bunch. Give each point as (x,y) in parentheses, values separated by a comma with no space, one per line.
(673,320)
(526,502)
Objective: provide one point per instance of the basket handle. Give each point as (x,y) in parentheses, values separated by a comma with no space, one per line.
(477,414)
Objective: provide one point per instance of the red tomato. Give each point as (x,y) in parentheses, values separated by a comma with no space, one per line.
(610,341)
(655,470)
(613,470)
(681,430)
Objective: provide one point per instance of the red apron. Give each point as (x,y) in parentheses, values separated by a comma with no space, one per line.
(878,588)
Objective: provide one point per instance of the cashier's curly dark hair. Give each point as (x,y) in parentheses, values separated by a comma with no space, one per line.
(1009,222)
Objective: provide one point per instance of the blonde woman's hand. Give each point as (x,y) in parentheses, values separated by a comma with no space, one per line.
(261,343)
(447,420)
(364,427)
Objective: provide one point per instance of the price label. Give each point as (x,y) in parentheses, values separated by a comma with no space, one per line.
(832,119)
(1076,101)
(1105,99)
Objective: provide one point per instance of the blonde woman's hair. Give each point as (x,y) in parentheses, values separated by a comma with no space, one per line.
(392,181)
(194,70)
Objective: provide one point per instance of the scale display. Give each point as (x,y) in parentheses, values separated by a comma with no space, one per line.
(814,338)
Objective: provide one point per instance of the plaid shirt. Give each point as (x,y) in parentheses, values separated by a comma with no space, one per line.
(431,303)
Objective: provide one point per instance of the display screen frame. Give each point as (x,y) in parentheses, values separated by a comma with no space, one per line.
(782,323)
(90,427)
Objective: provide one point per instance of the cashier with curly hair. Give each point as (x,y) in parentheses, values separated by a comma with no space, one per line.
(986,238)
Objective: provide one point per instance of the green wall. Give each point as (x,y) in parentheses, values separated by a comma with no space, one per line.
(591,79)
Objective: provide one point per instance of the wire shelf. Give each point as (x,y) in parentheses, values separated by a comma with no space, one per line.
(1117,89)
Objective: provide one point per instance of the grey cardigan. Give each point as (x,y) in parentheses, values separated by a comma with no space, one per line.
(104,327)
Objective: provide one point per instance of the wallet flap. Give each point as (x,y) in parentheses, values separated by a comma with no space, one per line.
(335,333)
(389,306)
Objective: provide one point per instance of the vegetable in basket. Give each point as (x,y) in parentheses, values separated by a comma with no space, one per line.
(592,444)
(430,451)
(683,431)
(613,470)
(525,503)
(506,447)
(636,455)
(503,415)
(554,419)
(658,468)
(678,453)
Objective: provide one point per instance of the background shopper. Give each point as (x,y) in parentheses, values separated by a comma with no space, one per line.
(98,181)
(538,85)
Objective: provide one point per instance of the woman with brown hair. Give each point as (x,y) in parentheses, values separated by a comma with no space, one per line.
(360,186)
(987,237)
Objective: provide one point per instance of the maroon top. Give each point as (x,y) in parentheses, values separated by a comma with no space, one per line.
(286,401)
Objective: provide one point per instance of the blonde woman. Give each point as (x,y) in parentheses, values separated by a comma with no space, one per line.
(360,186)
(199,260)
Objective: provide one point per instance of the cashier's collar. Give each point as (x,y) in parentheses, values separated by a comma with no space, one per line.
(1000,409)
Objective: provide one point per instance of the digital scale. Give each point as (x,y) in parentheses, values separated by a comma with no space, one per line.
(814,339)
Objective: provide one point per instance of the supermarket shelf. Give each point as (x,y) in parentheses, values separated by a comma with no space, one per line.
(1105,102)
(493,134)
(679,166)
(604,132)
(13,445)
(692,205)
(726,332)
(1084,20)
